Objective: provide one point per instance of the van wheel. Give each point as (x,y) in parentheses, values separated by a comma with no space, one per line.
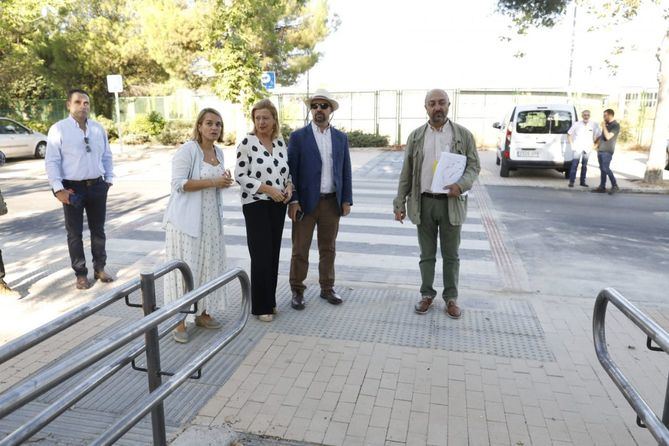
(504,169)
(497,159)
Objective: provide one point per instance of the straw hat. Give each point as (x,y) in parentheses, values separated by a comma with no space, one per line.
(324,95)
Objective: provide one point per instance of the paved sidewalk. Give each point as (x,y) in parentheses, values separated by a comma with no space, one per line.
(517,369)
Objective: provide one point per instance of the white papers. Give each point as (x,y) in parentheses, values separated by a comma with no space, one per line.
(449,170)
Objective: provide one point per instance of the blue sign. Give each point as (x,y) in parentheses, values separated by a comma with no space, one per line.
(268,79)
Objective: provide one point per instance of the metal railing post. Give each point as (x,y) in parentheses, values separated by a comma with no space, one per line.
(665,411)
(153,358)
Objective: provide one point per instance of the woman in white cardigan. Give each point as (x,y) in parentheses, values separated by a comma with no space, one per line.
(194,217)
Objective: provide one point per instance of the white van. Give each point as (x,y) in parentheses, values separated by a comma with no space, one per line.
(535,136)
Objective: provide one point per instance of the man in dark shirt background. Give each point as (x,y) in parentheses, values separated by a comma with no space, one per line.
(607,145)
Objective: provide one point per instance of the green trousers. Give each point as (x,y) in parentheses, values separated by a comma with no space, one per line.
(434,222)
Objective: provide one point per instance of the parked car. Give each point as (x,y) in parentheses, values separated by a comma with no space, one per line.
(17,140)
(535,136)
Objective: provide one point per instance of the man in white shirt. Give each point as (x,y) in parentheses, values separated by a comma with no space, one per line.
(320,168)
(582,136)
(80,171)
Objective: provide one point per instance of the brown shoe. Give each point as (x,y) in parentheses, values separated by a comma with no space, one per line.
(82,283)
(297,302)
(424,304)
(102,276)
(332,297)
(6,291)
(452,310)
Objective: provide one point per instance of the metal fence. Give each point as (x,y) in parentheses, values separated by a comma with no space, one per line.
(393,113)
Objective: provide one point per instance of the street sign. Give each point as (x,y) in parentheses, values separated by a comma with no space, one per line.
(114,83)
(268,79)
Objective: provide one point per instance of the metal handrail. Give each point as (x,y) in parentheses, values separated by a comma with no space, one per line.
(657,427)
(157,396)
(80,390)
(44,380)
(34,337)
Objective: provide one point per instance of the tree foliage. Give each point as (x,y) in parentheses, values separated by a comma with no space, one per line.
(47,48)
(527,14)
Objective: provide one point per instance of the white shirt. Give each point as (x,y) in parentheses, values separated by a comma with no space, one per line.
(324,143)
(255,166)
(584,135)
(66,156)
(435,142)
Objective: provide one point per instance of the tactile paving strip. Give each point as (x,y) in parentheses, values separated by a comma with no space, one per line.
(507,328)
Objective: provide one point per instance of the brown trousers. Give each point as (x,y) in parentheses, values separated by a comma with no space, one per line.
(326,217)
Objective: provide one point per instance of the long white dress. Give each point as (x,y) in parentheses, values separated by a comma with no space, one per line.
(205,254)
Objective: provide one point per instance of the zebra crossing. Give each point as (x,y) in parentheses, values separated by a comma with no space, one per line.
(371,246)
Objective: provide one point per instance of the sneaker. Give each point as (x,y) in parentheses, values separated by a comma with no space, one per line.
(207,322)
(613,190)
(571,184)
(6,291)
(598,190)
(180,336)
(266,317)
(583,185)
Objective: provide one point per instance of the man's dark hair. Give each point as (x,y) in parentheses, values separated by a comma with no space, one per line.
(609,111)
(74,91)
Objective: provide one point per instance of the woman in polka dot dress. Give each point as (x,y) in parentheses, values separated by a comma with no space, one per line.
(194,217)
(262,172)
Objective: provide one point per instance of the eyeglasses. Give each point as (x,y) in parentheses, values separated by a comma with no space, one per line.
(88,147)
(322,106)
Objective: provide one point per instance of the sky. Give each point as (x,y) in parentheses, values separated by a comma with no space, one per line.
(451,44)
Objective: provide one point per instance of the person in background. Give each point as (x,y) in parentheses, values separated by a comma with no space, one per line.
(263,174)
(582,137)
(80,171)
(193,220)
(5,290)
(605,149)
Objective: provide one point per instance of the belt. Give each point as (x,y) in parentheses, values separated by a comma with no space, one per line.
(85,182)
(330,195)
(435,196)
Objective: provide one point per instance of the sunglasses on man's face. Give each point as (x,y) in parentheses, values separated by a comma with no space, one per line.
(88,147)
(321,106)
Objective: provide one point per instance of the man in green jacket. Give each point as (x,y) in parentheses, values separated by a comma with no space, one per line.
(436,213)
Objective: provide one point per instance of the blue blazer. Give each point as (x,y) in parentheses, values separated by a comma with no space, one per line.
(304,161)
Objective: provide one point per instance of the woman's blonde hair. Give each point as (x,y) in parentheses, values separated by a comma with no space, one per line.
(266,104)
(200,119)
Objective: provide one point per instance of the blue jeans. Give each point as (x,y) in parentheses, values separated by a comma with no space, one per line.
(583,158)
(604,159)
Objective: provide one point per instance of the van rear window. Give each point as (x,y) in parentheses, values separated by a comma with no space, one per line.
(543,121)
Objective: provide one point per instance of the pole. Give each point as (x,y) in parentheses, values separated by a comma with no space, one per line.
(571,50)
(153,358)
(118,121)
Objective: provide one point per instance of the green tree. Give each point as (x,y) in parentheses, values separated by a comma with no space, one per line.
(251,36)
(527,14)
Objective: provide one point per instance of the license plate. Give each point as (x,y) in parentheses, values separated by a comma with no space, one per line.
(528,154)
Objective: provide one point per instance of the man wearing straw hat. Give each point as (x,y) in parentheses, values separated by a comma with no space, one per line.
(320,167)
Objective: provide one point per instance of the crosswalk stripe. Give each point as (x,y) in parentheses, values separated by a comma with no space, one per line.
(350,259)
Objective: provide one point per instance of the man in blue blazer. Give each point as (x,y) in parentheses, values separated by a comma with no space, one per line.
(320,167)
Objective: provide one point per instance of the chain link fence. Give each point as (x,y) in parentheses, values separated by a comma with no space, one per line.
(393,113)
